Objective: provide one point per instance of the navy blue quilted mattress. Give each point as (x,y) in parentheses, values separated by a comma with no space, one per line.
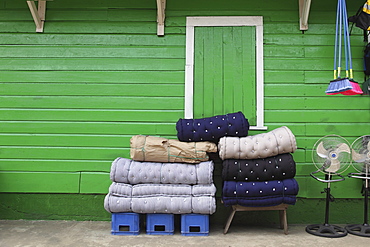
(257,194)
(277,167)
(212,128)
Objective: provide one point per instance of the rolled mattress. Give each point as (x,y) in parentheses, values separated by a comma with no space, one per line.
(212,128)
(158,149)
(136,172)
(277,141)
(161,198)
(257,194)
(277,167)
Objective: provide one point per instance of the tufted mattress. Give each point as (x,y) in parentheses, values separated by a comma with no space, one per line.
(157,149)
(161,198)
(277,141)
(277,167)
(135,172)
(253,194)
(212,128)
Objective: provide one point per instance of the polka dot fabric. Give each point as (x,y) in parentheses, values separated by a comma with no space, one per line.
(253,194)
(212,128)
(277,167)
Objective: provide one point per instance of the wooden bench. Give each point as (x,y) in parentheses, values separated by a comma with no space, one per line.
(281,208)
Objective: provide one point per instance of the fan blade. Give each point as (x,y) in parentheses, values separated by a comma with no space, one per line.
(358,157)
(334,166)
(321,151)
(343,148)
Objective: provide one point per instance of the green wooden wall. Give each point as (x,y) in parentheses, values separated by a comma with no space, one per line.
(72,97)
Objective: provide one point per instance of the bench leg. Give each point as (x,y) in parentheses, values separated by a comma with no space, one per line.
(283,221)
(228,222)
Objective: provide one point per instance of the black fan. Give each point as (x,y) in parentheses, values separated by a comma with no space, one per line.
(361,162)
(331,156)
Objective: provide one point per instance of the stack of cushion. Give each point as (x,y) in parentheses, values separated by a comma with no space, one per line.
(151,187)
(259,170)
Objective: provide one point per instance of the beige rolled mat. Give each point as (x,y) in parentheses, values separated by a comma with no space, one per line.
(158,149)
(277,141)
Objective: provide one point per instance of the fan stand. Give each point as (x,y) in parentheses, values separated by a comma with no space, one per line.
(326,229)
(362,230)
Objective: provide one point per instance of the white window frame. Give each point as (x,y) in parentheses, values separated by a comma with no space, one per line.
(217,21)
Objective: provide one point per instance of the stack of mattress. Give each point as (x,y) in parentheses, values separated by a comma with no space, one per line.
(163,176)
(259,170)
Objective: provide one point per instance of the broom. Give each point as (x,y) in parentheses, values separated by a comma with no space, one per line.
(338,84)
(356,89)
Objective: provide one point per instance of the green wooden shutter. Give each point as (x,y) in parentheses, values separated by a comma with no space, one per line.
(224,71)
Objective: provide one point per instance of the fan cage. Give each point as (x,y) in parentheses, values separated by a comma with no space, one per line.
(330,144)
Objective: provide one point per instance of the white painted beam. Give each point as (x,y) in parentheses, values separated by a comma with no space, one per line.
(38,14)
(304,12)
(161,7)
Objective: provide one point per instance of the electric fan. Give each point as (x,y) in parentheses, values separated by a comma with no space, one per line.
(331,156)
(361,162)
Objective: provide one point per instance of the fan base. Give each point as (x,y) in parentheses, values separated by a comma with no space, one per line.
(362,230)
(326,230)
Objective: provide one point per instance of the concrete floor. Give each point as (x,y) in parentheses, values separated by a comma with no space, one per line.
(14,233)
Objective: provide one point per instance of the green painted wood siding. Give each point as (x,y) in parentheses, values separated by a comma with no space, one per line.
(72,97)
(224,71)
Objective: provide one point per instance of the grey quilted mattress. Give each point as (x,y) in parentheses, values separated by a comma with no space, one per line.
(161,198)
(135,172)
(277,141)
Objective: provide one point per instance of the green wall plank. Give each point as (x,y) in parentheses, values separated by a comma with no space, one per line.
(89,115)
(94,182)
(39,182)
(43,51)
(47,165)
(60,153)
(65,140)
(88,102)
(124,128)
(98,64)
(138,90)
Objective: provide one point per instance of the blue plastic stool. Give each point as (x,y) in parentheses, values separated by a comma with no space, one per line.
(160,224)
(125,224)
(195,224)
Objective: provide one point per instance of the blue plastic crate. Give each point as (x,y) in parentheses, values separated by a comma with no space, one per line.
(125,224)
(160,224)
(195,224)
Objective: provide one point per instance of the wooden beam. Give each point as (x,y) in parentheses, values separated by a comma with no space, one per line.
(38,14)
(161,6)
(304,11)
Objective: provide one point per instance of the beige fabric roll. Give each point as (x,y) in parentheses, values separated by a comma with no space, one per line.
(158,149)
(277,141)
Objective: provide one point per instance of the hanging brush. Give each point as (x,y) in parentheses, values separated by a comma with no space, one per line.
(356,89)
(338,84)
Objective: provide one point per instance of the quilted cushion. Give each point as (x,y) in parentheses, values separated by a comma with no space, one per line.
(161,198)
(212,128)
(278,167)
(278,141)
(135,172)
(157,149)
(255,189)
